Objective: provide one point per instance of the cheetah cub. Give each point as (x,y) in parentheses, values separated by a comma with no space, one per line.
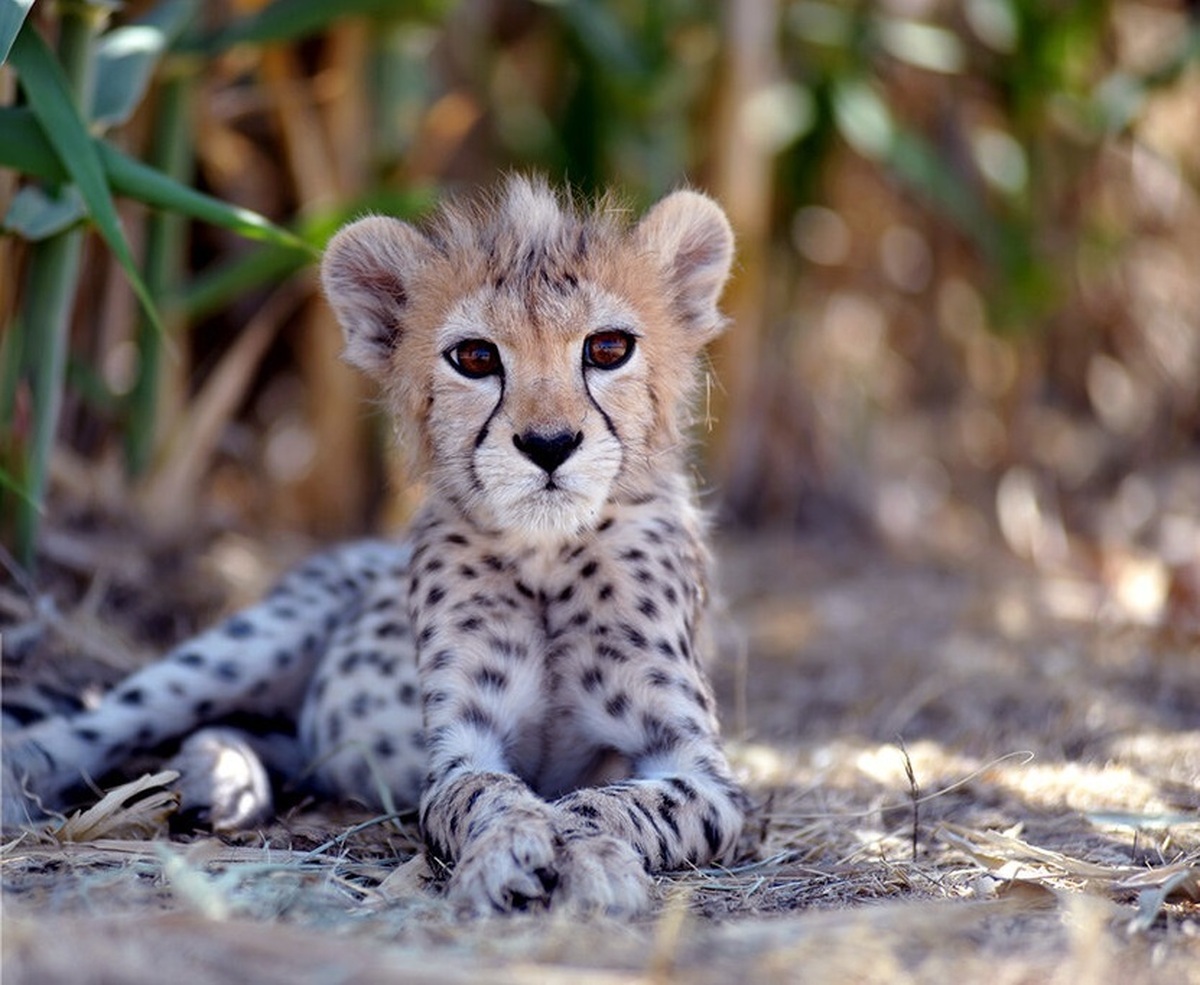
(524,668)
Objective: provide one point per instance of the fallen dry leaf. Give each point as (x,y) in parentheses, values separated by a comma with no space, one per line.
(138,809)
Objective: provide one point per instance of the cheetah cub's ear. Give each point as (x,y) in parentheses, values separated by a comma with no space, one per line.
(367,274)
(693,242)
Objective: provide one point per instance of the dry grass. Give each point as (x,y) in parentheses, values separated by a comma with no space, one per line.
(955,780)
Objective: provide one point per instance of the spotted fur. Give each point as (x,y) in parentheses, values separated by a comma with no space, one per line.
(525,667)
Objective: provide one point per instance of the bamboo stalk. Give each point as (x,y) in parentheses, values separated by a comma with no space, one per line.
(742,180)
(44,325)
(168,497)
(50,292)
(166,234)
(321,173)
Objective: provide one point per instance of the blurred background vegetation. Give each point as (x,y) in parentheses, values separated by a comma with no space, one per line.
(966,309)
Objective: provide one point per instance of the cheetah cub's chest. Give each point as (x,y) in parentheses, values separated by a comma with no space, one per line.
(544,650)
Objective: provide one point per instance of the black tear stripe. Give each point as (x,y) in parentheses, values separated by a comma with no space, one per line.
(481,437)
(608,421)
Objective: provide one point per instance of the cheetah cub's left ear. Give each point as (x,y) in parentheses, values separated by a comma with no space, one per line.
(690,237)
(367,273)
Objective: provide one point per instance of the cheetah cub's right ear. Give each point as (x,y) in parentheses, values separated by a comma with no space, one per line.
(366,273)
(689,236)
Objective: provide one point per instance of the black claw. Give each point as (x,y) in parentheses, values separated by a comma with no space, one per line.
(548,878)
(520,903)
(189,820)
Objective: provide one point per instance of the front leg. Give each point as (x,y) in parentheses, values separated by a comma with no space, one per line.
(591,849)
(480,686)
(483,675)
(501,840)
(680,807)
(506,847)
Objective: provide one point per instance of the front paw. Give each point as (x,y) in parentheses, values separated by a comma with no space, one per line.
(507,868)
(535,865)
(600,873)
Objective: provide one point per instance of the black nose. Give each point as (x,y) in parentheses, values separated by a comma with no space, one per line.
(547,451)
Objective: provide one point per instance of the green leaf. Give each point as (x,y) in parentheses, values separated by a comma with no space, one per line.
(136,180)
(35,215)
(12,16)
(863,118)
(49,96)
(127,56)
(24,147)
(215,287)
(14,486)
(599,30)
(287,20)
(913,160)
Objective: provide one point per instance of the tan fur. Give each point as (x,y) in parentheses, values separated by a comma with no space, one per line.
(536,275)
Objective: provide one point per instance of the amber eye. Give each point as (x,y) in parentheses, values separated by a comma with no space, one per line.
(474,358)
(607,349)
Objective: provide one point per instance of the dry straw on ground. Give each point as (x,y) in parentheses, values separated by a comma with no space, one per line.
(955,781)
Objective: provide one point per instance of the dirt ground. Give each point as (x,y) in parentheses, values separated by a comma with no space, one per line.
(963,769)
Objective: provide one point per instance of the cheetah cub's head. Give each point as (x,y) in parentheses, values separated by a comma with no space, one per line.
(537,357)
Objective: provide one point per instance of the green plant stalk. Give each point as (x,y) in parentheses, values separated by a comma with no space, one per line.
(45,318)
(12,444)
(165,236)
(45,321)
(81,22)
